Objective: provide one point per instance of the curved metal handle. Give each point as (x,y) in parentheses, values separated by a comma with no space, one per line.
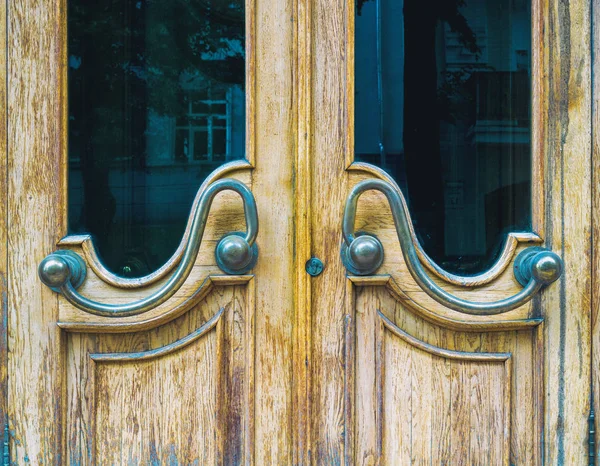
(363,255)
(64,271)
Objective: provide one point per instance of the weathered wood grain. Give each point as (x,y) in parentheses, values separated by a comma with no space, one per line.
(302,336)
(3,217)
(421,304)
(427,380)
(331,127)
(275,272)
(36,219)
(568,222)
(595,275)
(76,320)
(426,401)
(142,397)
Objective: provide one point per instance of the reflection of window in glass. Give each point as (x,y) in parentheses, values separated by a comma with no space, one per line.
(443,104)
(204,134)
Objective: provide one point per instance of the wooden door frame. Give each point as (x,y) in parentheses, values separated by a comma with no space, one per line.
(568,177)
(3,223)
(595,237)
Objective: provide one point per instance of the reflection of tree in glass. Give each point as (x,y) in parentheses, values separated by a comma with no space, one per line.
(132,58)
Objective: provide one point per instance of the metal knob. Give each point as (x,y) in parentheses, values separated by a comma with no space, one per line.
(234,255)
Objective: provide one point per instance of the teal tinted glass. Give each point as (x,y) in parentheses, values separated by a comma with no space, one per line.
(443,104)
(156,103)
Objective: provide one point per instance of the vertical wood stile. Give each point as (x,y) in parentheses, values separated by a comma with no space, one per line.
(363,347)
(249,396)
(380,389)
(595,314)
(506,434)
(539,11)
(36,219)
(3,217)
(538,401)
(349,386)
(329,135)
(302,360)
(222,376)
(567,174)
(272,185)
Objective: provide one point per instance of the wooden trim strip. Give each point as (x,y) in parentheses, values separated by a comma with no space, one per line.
(113,325)
(508,375)
(163,350)
(250,83)
(3,216)
(441,352)
(455,324)
(302,335)
(349,384)
(380,386)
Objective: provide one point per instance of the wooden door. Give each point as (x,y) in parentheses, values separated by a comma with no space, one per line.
(276,366)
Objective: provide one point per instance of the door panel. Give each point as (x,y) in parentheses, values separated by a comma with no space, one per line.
(426,392)
(177,393)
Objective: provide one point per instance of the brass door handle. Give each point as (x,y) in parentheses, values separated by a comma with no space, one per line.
(64,271)
(363,254)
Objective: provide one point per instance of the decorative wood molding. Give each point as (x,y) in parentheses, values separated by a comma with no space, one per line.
(163,350)
(462,322)
(153,320)
(441,352)
(93,261)
(506,257)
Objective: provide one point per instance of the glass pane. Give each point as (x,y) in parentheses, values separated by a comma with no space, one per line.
(145,79)
(443,104)
(201,145)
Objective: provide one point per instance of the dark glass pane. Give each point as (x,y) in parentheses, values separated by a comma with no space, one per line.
(201,145)
(201,107)
(145,78)
(219,144)
(443,104)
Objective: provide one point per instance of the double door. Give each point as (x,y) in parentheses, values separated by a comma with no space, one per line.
(327,332)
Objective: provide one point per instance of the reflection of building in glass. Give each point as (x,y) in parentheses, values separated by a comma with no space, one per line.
(483,111)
